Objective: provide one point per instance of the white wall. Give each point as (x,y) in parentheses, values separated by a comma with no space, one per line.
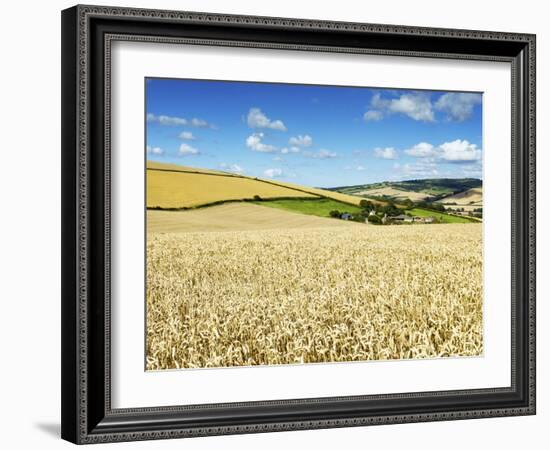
(30,229)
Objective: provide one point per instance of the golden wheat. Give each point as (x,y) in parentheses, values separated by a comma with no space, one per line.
(175,186)
(313,295)
(179,168)
(184,190)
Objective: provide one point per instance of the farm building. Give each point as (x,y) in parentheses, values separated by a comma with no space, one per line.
(418,219)
(401,218)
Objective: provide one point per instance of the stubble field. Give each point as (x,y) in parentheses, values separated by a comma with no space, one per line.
(354,293)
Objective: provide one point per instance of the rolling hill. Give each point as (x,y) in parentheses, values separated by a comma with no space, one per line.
(235,217)
(178,187)
(180,190)
(154,165)
(428,190)
(394,193)
(343,197)
(469,197)
(172,187)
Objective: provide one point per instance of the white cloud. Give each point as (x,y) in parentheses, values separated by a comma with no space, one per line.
(273,173)
(459,151)
(415,106)
(234,168)
(301,141)
(177,121)
(385,153)
(166,120)
(187,150)
(199,123)
(257,119)
(373,115)
(254,142)
(187,135)
(155,150)
(292,149)
(422,150)
(458,106)
(360,168)
(321,154)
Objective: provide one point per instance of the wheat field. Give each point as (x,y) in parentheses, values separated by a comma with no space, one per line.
(187,190)
(170,186)
(311,295)
(155,165)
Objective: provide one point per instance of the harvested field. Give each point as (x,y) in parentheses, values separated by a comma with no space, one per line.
(235,217)
(469,197)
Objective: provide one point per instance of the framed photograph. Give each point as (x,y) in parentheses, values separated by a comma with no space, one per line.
(278,224)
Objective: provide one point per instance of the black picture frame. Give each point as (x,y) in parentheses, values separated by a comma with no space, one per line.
(87,32)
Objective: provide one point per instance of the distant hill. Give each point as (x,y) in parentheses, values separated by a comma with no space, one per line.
(467,197)
(469,200)
(429,190)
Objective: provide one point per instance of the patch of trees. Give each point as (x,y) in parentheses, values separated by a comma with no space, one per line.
(390,209)
(375,219)
(366,212)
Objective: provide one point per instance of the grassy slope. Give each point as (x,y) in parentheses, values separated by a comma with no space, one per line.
(235,217)
(338,196)
(442,217)
(320,207)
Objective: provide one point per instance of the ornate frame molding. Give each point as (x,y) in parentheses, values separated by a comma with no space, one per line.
(84,421)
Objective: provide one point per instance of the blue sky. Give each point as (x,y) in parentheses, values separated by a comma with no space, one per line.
(322,136)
